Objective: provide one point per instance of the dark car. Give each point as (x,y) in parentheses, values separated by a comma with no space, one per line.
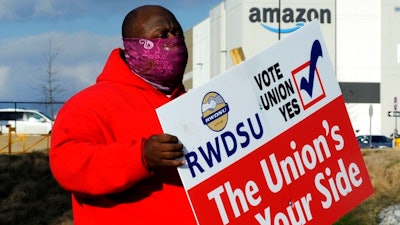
(377,141)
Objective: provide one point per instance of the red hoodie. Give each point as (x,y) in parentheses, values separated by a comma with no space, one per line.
(96,150)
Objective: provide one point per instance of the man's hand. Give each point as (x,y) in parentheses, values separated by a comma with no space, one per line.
(162,150)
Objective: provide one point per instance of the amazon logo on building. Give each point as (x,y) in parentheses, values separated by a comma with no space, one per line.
(291,19)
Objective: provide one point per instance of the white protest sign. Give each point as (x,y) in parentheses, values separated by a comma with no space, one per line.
(270,141)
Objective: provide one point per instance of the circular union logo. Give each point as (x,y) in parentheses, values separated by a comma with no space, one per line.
(214,111)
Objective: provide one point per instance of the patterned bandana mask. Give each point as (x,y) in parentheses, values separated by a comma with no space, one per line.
(159,61)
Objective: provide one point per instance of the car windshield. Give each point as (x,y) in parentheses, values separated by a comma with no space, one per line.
(48,117)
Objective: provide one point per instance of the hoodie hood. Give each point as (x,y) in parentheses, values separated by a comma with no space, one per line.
(116,70)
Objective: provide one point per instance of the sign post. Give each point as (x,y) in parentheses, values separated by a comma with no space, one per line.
(395,109)
(395,122)
(270,140)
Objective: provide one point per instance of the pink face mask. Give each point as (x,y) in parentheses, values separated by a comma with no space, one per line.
(159,61)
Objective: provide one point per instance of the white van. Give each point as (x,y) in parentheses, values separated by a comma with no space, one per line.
(25,121)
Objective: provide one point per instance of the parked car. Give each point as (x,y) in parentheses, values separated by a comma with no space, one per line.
(25,121)
(377,141)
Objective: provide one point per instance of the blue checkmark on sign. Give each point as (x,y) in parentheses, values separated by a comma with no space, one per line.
(308,84)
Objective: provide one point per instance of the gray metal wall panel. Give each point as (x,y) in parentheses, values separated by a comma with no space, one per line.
(355,92)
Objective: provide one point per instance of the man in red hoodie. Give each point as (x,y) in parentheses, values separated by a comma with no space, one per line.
(107,146)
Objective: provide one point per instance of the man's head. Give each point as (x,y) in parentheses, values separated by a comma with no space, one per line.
(155,48)
(151,21)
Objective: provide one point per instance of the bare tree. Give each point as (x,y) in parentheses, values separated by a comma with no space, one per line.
(51,86)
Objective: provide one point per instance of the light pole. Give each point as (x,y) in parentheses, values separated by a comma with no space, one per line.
(279,21)
(371,112)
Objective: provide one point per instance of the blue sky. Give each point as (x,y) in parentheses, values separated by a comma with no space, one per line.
(82,31)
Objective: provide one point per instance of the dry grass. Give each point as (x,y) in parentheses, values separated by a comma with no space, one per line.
(384,170)
(30,195)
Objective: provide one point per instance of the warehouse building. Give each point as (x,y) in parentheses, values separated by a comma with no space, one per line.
(362,37)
